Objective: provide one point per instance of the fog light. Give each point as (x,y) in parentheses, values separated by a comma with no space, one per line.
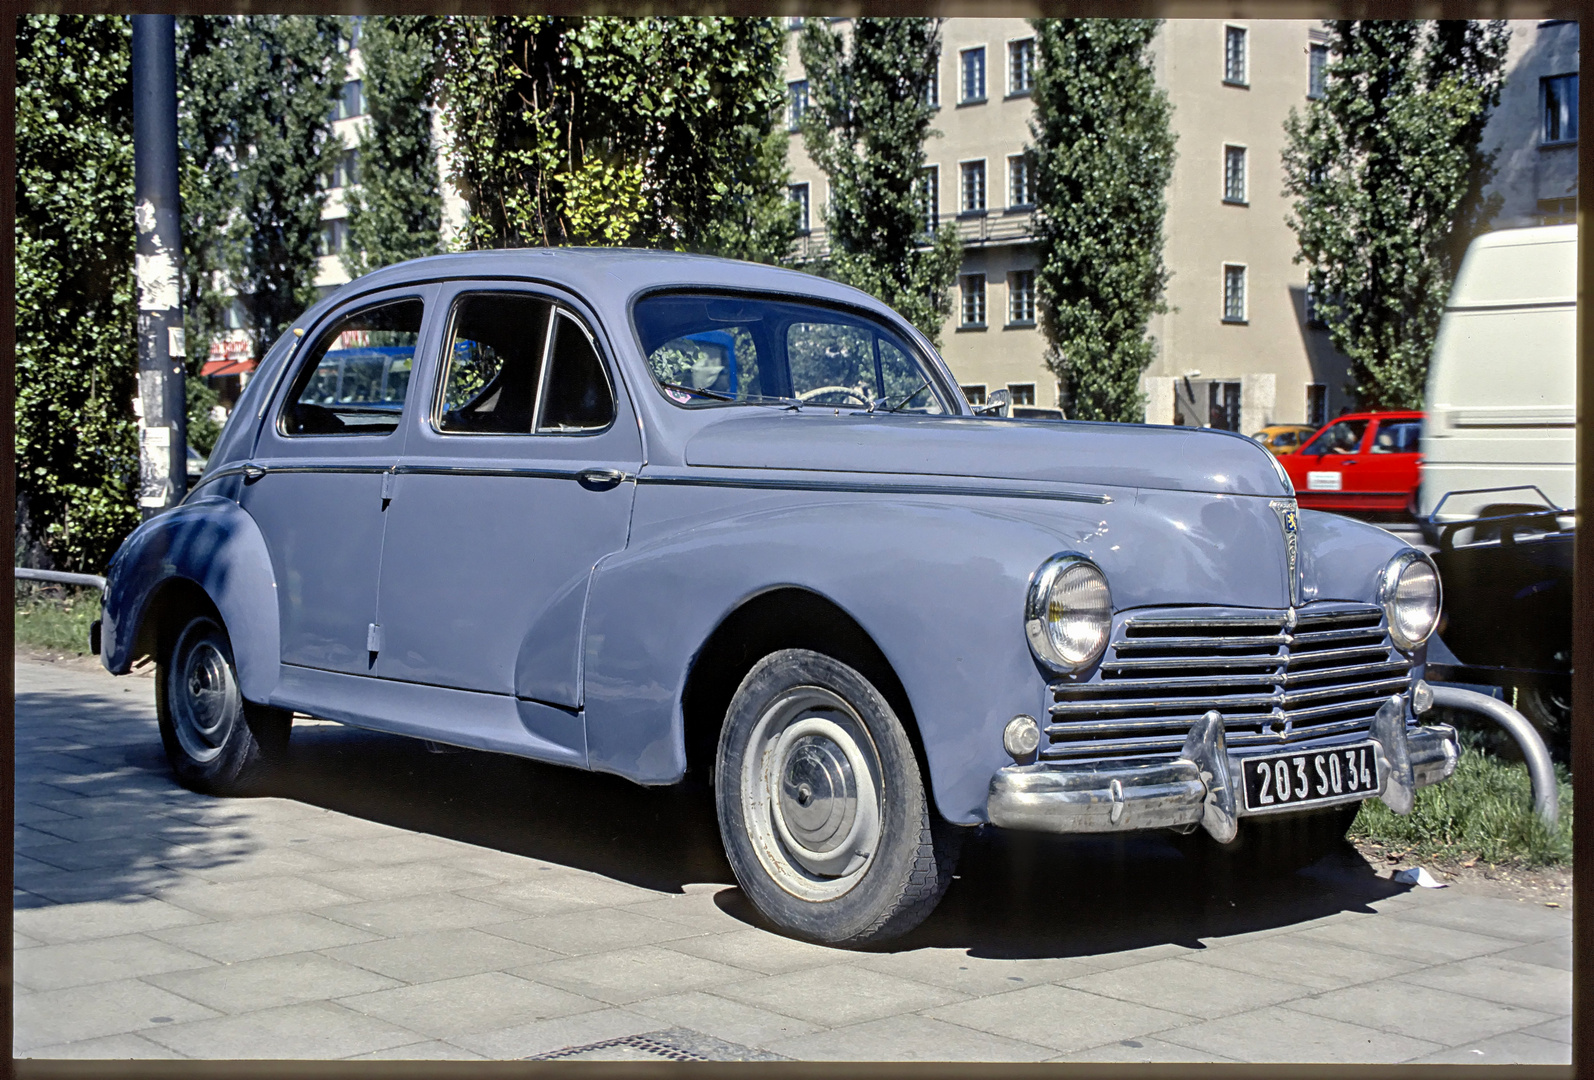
(1421,697)
(1022,737)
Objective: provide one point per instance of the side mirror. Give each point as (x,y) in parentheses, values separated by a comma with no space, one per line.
(1000,403)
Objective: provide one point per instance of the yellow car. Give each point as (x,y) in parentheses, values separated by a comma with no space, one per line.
(1284,438)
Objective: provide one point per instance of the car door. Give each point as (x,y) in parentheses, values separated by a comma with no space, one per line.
(314,484)
(516,478)
(1327,464)
(1390,465)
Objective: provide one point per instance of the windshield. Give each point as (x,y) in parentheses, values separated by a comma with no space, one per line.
(719,350)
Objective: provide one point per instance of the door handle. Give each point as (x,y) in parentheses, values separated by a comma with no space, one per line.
(253,473)
(600,479)
(1352,461)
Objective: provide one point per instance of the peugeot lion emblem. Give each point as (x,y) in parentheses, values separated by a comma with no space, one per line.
(1285,509)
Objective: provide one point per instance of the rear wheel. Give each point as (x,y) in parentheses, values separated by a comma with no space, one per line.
(216,741)
(1271,846)
(822,807)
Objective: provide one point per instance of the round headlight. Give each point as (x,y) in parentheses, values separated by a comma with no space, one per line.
(1068,612)
(1408,589)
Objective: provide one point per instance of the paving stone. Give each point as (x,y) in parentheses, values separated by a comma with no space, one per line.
(1496,978)
(315,1030)
(1280,1033)
(760,951)
(1321,965)
(1058,1017)
(266,896)
(592,930)
(1491,916)
(733,1021)
(265,860)
(1188,987)
(564,886)
(1146,1049)
(398,879)
(1428,944)
(266,935)
(402,848)
(442,954)
(908,1038)
(1559,1029)
(628,975)
(417,914)
(430,1050)
(90,1012)
(79,922)
(956,970)
(55,967)
(1511,1048)
(1556,953)
(27,813)
(251,985)
(546,1036)
(81,886)
(695,908)
(470,1005)
(109,1048)
(834,996)
(1419,1011)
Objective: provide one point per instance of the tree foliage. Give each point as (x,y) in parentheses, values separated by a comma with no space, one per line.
(395,212)
(865,128)
(654,132)
(255,95)
(1388,181)
(76,359)
(1103,155)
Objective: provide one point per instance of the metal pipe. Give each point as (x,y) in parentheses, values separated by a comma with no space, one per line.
(59,577)
(1546,799)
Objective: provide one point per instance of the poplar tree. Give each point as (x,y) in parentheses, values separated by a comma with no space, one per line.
(865,127)
(1103,155)
(1388,181)
(396,210)
(76,359)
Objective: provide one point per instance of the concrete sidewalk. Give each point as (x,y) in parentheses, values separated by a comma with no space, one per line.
(388,902)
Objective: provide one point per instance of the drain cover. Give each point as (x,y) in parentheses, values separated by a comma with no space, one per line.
(672,1044)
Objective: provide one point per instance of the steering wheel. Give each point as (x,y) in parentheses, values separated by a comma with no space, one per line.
(810,395)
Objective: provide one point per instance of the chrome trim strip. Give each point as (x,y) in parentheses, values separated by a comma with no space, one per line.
(418,470)
(866,488)
(1147,644)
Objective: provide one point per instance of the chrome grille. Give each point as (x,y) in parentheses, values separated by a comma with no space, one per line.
(1276,685)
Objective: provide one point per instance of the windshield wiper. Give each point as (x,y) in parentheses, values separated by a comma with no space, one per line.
(922,387)
(759,399)
(715,394)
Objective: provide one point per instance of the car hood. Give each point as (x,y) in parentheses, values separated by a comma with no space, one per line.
(1069,452)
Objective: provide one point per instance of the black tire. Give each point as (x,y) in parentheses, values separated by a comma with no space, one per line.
(1271,846)
(1550,713)
(812,720)
(216,742)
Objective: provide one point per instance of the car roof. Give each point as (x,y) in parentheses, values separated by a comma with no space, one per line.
(1384,414)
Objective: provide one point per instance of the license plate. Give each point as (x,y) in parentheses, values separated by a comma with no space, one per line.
(1325,481)
(1313,776)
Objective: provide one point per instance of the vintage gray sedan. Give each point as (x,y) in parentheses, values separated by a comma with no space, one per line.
(668,516)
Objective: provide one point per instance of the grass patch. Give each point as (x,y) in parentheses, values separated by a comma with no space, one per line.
(1484,811)
(55,617)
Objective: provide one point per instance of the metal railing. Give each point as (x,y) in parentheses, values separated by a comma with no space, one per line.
(60,577)
(975,230)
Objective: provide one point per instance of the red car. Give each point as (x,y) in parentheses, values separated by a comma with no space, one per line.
(1363,461)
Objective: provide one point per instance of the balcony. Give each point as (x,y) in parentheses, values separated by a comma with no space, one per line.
(995,228)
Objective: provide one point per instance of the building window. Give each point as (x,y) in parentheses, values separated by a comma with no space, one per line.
(798,194)
(346,172)
(796,102)
(1233,293)
(1560,108)
(1316,404)
(1314,317)
(1317,71)
(1021,298)
(1023,392)
(1558,211)
(974,393)
(973,288)
(350,102)
(1223,405)
(932,85)
(1020,181)
(973,187)
(1020,66)
(1234,174)
(349,36)
(930,196)
(1234,55)
(973,87)
(334,236)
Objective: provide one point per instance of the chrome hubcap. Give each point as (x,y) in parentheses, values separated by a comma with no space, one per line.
(812,795)
(204,701)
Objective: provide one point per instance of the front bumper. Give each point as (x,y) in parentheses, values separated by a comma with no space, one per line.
(1202,785)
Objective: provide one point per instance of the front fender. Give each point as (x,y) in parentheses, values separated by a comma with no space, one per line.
(213,543)
(938,585)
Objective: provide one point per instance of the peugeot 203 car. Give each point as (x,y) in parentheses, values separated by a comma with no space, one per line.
(668,516)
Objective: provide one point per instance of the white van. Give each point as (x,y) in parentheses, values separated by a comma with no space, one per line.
(1501,406)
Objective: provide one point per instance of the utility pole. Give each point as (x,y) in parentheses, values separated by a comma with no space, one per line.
(162,391)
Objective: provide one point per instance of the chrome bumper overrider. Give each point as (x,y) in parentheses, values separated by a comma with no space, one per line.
(1202,785)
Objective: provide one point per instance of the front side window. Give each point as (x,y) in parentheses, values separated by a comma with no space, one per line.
(708,350)
(973,74)
(1020,66)
(1234,174)
(973,186)
(1234,55)
(1344,437)
(1560,108)
(514,365)
(1234,294)
(355,379)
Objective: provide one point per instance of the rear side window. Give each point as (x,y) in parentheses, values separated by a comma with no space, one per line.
(354,381)
(1398,437)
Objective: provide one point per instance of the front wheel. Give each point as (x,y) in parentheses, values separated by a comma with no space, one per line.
(822,807)
(216,742)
